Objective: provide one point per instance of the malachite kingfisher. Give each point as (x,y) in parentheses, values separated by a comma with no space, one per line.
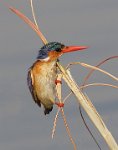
(43,73)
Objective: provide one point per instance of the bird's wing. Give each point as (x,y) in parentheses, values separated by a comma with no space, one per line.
(30,82)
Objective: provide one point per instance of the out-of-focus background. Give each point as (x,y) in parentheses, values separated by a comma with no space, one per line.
(73,22)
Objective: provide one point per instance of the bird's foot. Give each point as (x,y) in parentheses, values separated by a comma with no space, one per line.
(59,104)
(58,81)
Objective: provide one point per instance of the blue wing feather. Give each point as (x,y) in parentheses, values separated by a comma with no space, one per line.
(31,88)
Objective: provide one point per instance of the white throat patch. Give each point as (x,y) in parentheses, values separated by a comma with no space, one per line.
(45,59)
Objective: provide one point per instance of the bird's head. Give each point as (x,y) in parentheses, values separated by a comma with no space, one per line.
(51,51)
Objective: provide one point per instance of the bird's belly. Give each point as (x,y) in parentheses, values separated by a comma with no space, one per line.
(46,88)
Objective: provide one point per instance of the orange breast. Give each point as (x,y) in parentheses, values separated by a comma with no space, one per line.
(44,75)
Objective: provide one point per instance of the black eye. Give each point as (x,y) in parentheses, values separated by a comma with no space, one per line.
(59,48)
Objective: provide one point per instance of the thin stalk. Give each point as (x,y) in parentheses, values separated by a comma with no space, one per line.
(94,68)
(59,94)
(55,123)
(68,130)
(33,14)
(98,65)
(98,84)
(30,23)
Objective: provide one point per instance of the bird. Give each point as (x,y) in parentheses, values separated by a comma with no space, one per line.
(43,73)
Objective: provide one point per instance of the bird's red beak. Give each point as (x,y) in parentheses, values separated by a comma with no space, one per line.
(73,48)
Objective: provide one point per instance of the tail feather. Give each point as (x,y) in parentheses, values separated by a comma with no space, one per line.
(48,110)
